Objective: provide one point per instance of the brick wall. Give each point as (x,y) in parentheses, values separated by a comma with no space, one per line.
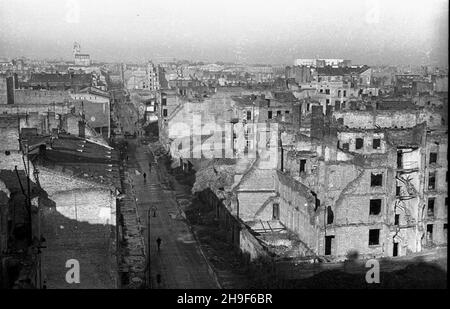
(14,109)
(253,202)
(388,119)
(9,135)
(356,238)
(295,213)
(26,96)
(78,221)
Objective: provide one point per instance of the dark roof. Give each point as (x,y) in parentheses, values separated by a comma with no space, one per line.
(332,71)
(8,121)
(81,158)
(395,105)
(40,78)
(284,96)
(411,137)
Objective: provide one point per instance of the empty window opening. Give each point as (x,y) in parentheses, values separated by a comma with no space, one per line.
(430,208)
(337,105)
(269,114)
(276,211)
(374,237)
(328,244)
(432,181)
(249,115)
(164,112)
(330,215)
(359,143)
(375,207)
(345,93)
(376,143)
(397,191)
(278,113)
(433,157)
(396,219)
(345,146)
(399,159)
(327,91)
(429,232)
(395,249)
(302,165)
(376,180)
(163,101)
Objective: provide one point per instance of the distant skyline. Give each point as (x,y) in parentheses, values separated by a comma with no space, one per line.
(373,32)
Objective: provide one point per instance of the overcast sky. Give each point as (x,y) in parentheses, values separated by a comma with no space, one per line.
(253,31)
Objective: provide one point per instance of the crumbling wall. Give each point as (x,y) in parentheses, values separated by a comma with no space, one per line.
(296,207)
(250,245)
(253,202)
(368,137)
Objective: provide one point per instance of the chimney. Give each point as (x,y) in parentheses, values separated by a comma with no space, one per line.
(10,89)
(317,121)
(82,128)
(82,123)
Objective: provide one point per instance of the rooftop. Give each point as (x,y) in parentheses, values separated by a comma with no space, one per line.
(78,157)
(333,71)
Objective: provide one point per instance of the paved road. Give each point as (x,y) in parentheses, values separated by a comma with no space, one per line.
(180,261)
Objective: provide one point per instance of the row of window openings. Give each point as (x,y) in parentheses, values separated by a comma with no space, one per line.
(374,209)
(359,144)
(374,238)
(269,114)
(376,180)
(327,91)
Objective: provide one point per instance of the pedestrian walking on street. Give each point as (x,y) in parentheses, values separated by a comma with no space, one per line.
(158,242)
(149,167)
(154,211)
(145,177)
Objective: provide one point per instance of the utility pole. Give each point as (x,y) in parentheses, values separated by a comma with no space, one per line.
(149,278)
(29,192)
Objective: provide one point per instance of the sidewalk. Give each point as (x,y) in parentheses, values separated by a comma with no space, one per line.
(180,261)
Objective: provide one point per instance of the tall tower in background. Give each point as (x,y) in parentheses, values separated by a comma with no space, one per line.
(76,48)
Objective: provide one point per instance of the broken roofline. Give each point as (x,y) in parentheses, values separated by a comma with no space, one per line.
(189,141)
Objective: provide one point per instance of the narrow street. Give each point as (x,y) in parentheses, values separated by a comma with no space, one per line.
(180,262)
